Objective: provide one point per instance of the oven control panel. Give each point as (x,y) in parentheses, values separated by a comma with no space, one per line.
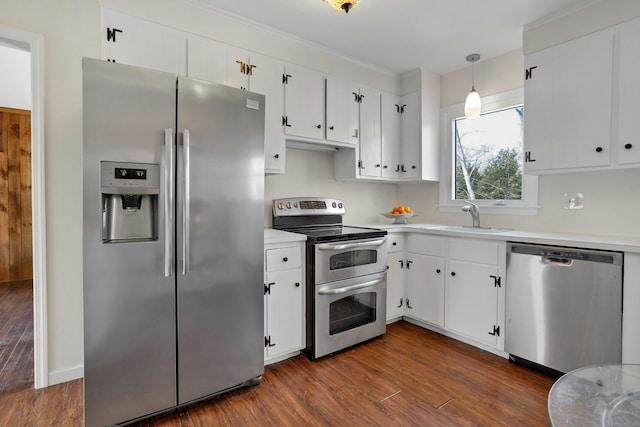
(307,206)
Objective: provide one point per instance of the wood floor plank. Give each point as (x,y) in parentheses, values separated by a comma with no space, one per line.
(409,377)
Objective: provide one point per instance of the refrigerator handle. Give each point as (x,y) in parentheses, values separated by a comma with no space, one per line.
(186,202)
(168,202)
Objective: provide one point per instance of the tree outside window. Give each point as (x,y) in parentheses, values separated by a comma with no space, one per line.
(488,156)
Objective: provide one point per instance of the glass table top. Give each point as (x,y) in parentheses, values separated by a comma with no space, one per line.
(607,395)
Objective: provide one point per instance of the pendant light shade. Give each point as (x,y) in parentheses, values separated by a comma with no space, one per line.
(472,105)
(343,5)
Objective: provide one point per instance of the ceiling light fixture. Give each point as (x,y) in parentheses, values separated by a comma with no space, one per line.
(472,105)
(345,5)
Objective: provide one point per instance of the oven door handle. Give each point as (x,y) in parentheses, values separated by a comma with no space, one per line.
(328,291)
(343,246)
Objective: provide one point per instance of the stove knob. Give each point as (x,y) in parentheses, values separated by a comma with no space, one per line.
(333,205)
(295,204)
(288,205)
(340,205)
(280,206)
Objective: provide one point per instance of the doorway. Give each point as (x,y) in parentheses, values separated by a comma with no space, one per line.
(23,363)
(16,265)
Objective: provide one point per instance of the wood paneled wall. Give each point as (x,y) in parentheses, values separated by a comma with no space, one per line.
(15,195)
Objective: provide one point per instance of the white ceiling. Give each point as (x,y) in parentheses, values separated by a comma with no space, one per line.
(402,35)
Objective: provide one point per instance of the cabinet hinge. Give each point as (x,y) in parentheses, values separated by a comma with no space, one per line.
(285,121)
(267,342)
(527,157)
(267,288)
(285,78)
(360,165)
(496,331)
(496,281)
(407,302)
(528,73)
(111,34)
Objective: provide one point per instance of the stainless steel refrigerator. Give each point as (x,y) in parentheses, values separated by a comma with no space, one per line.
(173,188)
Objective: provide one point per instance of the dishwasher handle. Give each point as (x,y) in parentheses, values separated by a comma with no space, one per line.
(565,256)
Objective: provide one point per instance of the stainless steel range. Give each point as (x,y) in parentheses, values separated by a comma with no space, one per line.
(346,289)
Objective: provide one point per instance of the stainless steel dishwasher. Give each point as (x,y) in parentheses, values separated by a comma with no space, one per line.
(564,306)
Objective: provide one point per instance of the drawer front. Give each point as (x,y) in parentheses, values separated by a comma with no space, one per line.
(283,258)
(427,245)
(395,242)
(472,250)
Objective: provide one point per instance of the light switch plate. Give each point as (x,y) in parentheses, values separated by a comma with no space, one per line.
(573,200)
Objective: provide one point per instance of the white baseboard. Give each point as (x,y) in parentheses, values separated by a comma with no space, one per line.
(64,375)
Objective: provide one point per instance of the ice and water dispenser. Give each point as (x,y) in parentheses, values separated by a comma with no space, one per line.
(129,201)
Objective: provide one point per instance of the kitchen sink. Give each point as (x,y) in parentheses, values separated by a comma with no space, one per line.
(470,229)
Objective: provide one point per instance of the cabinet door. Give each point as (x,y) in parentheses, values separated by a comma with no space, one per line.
(266,78)
(411,136)
(304,102)
(425,288)
(568,91)
(395,285)
(629,93)
(472,301)
(284,312)
(391,135)
(134,41)
(342,111)
(370,134)
(207,60)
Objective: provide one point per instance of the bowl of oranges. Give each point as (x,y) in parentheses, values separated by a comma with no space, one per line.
(400,214)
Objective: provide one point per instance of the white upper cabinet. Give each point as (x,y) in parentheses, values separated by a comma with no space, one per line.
(219,63)
(628,142)
(391,136)
(568,92)
(265,77)
(401,137)
(133,41)
(207,60)
(370,163)
(304,103)
(342,111)
(411,136)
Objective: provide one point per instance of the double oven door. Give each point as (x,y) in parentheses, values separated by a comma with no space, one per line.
(349,293)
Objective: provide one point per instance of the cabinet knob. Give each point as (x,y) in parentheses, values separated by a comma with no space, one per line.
(277,156)
(394,244)
(285,259)
(330,127)
(378,165)
(628,146)
(453,273)
(598,149)
(297,284)
(319,126)
(438,271)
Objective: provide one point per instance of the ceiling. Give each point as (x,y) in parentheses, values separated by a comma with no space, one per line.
(402,35)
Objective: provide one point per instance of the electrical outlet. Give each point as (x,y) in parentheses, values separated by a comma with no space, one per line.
(573,200)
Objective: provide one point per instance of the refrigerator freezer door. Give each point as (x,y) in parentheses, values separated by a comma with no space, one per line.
(220,212)
(129,304)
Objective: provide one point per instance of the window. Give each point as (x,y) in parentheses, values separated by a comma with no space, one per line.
(484,158)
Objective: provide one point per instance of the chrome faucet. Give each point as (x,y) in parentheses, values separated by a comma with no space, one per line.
(472,208)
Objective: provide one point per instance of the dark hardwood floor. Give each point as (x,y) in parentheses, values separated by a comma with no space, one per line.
(16,336)
(409,377)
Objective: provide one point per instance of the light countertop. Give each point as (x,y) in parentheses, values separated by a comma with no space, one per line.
(612,243)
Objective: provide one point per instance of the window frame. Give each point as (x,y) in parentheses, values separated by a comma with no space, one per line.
(529,203)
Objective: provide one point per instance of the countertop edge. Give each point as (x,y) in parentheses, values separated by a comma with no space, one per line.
(611,243)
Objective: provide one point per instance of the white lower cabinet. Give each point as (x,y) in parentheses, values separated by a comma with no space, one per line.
(396,276)
(283,301)
(425,288)
(454,284)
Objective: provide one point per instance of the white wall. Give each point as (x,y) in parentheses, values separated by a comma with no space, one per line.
(15,78)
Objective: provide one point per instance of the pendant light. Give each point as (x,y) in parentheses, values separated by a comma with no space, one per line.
(341,5)
(472,105)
